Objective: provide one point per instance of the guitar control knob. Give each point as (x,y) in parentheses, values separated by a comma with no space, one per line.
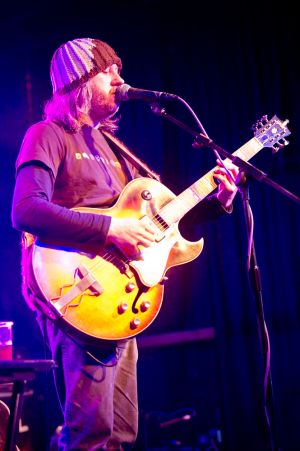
(135,323)
(122,307)
(130,287)
(145,306)
(146,195)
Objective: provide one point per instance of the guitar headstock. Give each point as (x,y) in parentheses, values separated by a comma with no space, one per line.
(271,133)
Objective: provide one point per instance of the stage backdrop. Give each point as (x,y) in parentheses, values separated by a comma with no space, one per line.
(204,353)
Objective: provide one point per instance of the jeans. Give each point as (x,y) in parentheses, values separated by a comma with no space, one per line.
(97,390)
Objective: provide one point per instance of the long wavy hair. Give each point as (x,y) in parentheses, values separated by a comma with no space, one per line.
(72,109)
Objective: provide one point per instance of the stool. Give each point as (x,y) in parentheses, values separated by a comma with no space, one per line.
(19,372)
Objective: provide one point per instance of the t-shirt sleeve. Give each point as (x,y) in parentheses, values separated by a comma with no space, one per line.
(38,146)
(53,224)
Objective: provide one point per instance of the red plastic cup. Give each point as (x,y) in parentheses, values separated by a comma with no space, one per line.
(6,340)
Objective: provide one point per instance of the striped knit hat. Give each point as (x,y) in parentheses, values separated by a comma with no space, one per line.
(74,62)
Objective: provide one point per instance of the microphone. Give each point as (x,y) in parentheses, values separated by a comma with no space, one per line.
(126,92)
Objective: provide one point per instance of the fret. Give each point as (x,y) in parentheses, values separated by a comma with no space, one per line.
(248,150)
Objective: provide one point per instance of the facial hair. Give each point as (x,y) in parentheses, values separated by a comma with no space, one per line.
(103,105)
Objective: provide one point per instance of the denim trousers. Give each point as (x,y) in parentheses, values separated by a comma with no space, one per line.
(97,390)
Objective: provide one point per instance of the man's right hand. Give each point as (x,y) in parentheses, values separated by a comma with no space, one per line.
(130,233)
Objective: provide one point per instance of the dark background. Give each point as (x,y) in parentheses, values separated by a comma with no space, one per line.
(232,63)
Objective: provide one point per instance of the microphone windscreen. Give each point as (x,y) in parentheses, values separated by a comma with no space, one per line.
(122,92)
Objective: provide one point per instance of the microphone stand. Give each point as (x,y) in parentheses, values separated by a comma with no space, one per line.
(202,140)
(247,171)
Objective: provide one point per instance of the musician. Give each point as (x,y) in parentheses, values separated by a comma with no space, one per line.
(67,160)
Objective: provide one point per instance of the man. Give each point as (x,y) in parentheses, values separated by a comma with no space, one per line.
(68,161)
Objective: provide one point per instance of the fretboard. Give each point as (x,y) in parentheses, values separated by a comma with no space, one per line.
(184,202)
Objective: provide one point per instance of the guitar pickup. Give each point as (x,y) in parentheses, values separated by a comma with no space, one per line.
(159,235)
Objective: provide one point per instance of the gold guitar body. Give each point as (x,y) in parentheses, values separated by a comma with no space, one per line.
(106,295)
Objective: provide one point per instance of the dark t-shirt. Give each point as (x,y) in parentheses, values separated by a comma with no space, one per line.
(85,169)
(58,170)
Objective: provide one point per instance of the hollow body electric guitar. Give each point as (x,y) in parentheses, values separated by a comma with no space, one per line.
(109,296)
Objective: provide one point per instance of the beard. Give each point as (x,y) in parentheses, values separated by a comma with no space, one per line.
(103,105)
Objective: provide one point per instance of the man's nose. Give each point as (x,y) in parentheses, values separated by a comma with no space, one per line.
(119,79)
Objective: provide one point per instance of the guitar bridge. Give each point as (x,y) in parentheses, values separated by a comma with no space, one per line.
(87,282)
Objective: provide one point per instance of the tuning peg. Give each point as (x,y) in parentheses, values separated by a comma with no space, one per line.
(255,126)
(260,123)
(279,145)
(283,142)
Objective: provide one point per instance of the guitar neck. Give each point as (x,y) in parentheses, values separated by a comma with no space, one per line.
(184,202)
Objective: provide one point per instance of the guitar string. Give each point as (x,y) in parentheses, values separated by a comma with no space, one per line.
(110,254)
(158,219)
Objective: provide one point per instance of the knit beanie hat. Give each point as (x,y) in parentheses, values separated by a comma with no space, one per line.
(74,62)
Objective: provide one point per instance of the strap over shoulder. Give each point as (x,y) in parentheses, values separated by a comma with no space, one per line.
(139,164)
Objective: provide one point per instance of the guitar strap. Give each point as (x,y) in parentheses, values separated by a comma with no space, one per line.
(125,152)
